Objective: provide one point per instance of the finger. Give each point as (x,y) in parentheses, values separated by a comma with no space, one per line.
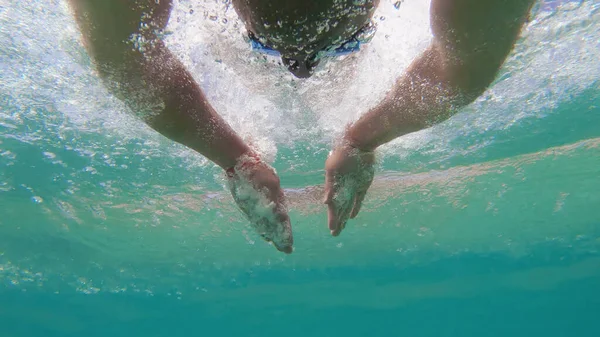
(281,209)
(329,199)
(337,214)
(339,230)
(287,249)
(329,188)
(343,210)
(360,197)
(280,235)
(332,218)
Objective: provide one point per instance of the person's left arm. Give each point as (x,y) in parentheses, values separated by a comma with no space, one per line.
(472,38)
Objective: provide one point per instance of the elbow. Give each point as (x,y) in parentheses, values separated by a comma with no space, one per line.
(461,79)
(473,82)
(470,80)
(468,94)
(466,77)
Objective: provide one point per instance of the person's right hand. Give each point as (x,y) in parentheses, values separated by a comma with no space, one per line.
(256,190)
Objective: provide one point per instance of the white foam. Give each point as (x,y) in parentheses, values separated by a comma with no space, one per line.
(556,59)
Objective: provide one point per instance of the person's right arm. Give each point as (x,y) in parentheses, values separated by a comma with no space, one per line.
(123,40)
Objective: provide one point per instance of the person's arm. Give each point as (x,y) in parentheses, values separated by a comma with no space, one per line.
(472,38)
(471,41)
(123,40)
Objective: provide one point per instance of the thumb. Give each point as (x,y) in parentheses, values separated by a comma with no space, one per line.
(329,192)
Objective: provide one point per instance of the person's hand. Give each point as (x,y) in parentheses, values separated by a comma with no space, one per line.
(348,175)
(256,190)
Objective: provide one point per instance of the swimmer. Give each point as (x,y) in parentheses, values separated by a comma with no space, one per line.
(472,38)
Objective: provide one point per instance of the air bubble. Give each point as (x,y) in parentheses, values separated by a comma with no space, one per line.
(397,4)
(49,155)
(90,169)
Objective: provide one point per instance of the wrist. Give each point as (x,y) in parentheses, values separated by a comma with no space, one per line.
(244,162)
(353,138)
(231,152)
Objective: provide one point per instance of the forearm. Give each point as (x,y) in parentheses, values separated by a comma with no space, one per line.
(121,39)
(159,88)
(425,95)
(472,38)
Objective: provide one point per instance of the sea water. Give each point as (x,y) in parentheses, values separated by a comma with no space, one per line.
(485,225)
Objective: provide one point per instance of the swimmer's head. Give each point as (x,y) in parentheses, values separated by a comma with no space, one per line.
(300,29)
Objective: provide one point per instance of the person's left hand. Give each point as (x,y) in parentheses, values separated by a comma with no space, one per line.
(348,175)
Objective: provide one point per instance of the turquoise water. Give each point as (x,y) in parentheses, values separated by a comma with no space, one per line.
(485,225)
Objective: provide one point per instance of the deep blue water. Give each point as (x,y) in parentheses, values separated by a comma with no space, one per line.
(568,308)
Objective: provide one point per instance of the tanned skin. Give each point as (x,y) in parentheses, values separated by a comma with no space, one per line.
(472,39)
